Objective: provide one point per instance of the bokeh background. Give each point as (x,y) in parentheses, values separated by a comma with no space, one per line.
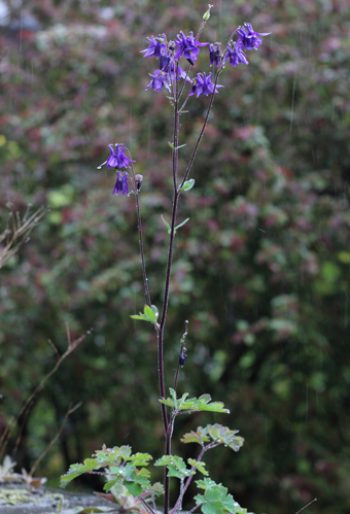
(261,270)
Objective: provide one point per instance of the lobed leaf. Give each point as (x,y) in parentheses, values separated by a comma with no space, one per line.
(76,470)
(176,466)
(149,314)
(199,465)
(201,404)
(215,433)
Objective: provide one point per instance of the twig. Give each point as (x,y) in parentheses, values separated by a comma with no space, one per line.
(23,413)
(178,504)
(306,506)
(16,233)
(141,237)
(54,439)
(145,504)
(201,133)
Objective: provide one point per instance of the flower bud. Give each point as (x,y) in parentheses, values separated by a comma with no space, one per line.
(206,15)
(138,181)
(183,356)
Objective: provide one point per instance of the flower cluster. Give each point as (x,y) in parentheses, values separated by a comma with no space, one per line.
(188,47)
(119,161)
(169,71)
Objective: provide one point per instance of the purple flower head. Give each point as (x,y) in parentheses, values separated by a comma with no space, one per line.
(214,54)
(166,58)
(159,79)
(156,46)
(249,39)
(121,185)
(188,47)
(203,85)
(235,54)
(176,70)
(117,158)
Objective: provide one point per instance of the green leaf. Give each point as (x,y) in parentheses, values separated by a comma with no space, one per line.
(198,465)
(215,433)
(201,404)
(205,483)
(200,436)
(77,470)
(141,459)
(149,314)
(216,500)
(176,466)
(171,145)
(156,489)
(182,224)
(167,225)
(188,185)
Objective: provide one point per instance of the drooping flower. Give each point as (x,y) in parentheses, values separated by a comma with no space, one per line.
(157,46)
(121,185)
(204,86)
(176,70)
(235,54)
(188,47)
(159,79)
(117,158)
(249,39)
(214,54)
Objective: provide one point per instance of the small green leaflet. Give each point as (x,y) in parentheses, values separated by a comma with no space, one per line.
(201,404)
(168,227)
(173,147)
(188,185)
(149,314)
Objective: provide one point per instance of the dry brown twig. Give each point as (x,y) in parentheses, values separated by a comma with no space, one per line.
(72,345)
(17,233)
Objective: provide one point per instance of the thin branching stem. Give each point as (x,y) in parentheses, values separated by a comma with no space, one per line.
(164,312)
(201,133)
(141,239)
(187,483)
(43,454)
(72,345)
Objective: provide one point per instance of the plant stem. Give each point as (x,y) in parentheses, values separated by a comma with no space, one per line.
(163,318)
(178,504)
(141,238)
(72,345)
(200,136)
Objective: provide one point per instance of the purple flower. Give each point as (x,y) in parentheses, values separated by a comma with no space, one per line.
(203,85)
(121,185)
(235,54)
(179,72)
(159,79)
(117,158)
(249,39)
(157,46)
(188,47)
(214,54)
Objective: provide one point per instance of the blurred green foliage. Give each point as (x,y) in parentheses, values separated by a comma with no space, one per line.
(261,269)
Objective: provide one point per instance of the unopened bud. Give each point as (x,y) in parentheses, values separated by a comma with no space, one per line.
(138,181)
(183,356)
(206,15)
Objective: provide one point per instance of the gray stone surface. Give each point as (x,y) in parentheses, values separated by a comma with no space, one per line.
(19,499)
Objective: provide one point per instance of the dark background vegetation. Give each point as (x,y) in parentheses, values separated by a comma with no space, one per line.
(261,270)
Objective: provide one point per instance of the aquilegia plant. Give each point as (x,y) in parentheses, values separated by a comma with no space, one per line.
(128,477)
